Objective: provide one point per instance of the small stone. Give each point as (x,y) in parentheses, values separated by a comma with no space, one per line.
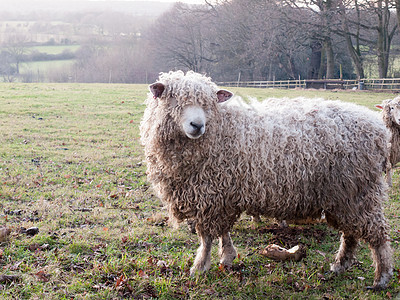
(161,264)
(32,231)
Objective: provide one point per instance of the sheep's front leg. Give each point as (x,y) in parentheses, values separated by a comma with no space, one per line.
(388,177)
(202,261)
(345,258)
(227,251)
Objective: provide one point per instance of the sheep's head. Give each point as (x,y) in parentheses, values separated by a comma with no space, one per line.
(188,100)
(391,110)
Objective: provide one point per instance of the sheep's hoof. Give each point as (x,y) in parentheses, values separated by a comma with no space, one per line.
(195,272)
(376,288)
(382,283)
(337,268)
(227,262)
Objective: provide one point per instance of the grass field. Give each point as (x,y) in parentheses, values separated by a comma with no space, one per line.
(41,68)
(71,165)
(57,49)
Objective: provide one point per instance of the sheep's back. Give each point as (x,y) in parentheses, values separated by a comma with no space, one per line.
(302,156)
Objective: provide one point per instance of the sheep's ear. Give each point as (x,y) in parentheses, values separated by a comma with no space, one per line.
(224,95)
(379,106)
(157,89)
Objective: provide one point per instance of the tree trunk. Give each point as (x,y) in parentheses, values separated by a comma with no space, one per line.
(315,59)
(397,4)
(330,62)
(327,15)
(384,37)
(355,52)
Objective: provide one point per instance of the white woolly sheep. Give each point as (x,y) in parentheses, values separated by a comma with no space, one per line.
(391,117)
(209,162)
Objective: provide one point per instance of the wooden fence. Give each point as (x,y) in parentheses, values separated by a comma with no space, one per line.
(385,84)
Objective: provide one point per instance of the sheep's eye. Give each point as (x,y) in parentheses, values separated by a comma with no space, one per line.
(391,108)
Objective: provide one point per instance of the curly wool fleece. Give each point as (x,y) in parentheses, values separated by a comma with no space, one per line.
(391,118)
(283,158)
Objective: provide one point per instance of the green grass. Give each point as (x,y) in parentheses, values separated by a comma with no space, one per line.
(42,67)
(71,165)
(56,49)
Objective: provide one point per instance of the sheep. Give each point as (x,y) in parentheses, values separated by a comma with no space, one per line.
(391,117)
(209,161)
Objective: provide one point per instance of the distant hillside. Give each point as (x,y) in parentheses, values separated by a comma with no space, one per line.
(136,8)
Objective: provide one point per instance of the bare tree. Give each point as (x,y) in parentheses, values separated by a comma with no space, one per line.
(322,18)
(125,61)
(346,8)
(7,70)
(255,44)
(16,47)
(368,24)
(180,38)
(381,8)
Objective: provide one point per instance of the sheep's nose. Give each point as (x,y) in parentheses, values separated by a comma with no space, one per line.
(197,126)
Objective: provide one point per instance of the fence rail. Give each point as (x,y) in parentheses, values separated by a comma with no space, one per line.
(389,84)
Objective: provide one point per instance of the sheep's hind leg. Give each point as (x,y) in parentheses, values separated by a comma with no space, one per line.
(227,251)
(346,255)
(202,261)
(388,177)
(383,262)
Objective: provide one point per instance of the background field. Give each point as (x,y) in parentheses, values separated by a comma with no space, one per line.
(71,165)
(54,49)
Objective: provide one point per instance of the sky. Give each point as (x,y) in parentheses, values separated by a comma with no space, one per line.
(186,1)
(67,5)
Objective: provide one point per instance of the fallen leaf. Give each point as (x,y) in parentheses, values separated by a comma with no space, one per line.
(142,274)
(42,276)
(150,261)
(119,281)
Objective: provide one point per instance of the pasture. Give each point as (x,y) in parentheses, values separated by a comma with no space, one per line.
(71,165)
